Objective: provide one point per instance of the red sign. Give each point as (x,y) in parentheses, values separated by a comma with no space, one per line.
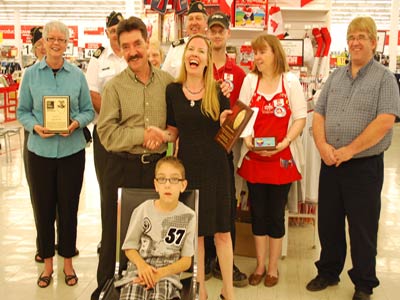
(387,38)
(26,33)
(92,45)
(93,30)
(73,35)
(8,32)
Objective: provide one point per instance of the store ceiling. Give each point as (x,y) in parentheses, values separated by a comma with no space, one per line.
(90,10)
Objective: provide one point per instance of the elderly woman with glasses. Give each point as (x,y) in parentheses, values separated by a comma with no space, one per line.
(56,154)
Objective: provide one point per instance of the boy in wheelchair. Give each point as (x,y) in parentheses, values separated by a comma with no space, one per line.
(160,238)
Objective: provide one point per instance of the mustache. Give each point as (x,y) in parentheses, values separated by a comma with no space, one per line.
(132,57)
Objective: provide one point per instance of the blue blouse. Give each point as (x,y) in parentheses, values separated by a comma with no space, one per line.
(39,81)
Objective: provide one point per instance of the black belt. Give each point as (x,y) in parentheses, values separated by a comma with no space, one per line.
(145,158)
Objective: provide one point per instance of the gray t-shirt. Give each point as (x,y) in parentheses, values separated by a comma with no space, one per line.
(161,238)
(350,104)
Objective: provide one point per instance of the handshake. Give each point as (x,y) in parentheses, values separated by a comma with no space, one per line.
(154,137)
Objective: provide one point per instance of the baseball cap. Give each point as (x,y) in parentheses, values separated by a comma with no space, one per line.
(113,19)
(197,6)
(218,18)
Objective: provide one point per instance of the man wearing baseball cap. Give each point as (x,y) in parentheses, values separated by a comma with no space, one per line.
(196,23)
(225,70)
(106,63)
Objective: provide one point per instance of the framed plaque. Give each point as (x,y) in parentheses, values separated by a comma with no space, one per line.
(233,125)
(56,114)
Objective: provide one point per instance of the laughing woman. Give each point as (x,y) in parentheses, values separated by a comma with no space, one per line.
(194,106)
(56,161)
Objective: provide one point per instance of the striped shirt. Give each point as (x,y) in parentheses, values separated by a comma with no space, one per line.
(128,107)
(350,104)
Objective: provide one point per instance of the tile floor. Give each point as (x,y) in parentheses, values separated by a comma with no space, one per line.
(17,242)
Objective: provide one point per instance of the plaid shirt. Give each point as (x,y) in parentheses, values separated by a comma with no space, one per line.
(350,104)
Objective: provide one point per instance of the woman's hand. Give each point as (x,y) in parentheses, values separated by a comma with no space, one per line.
(224,115)
(248,141)
(279,147)
(41,131)
(71,128)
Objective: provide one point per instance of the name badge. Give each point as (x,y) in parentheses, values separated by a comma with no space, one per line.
(107,72)
(280,111)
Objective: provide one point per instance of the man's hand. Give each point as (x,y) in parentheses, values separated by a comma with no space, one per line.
(154,137)
(327,154)
(342,154)
(226,88)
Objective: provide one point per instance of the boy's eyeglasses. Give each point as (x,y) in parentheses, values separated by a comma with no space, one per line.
(163,180)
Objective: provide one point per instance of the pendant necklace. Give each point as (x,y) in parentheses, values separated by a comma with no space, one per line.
(192,102)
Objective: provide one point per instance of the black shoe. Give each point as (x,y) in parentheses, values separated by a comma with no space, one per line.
(320,283)
(360,295)
(208,267)
(239,278)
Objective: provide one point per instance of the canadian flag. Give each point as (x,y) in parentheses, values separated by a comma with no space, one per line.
(276,22)
(292,3)
(228,8)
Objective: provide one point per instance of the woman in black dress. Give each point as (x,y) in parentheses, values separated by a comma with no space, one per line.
(194,105)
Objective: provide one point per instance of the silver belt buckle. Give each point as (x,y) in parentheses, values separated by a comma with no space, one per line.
(142,158)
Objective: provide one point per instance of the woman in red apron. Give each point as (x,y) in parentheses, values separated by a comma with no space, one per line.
(269,173)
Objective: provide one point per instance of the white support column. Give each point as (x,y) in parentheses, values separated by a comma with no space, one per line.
(17,32)
(393,39)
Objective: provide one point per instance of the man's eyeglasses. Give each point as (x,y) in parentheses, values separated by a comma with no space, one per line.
(52,40)
(163,180)
(359,38)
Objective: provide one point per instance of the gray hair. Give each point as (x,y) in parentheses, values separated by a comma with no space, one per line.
(57,25)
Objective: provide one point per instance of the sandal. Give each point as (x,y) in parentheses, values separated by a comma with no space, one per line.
(45,279)
(38,259)
(68,278)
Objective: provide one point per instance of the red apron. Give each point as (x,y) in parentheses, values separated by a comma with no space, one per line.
(272,121)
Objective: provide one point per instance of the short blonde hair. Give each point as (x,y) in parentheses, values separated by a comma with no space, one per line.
(280,62)
(156,45)
(174,162)
(366,24)
(210,104)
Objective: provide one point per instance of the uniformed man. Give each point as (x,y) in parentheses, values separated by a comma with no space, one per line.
(196,23)
(104,65)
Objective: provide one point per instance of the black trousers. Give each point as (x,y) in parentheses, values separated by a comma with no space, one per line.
(100,155)
(56,186)
(209,245)
(118,172)
(352,191)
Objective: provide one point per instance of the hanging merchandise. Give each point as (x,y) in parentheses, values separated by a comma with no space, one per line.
(292,3)
(317,56)
(326,36)
(276,22)
(308,53)
(246,55)
(180,6)
(159,6)
(251,13)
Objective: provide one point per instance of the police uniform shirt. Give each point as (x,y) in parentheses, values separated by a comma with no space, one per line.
(173,61)
(102,68)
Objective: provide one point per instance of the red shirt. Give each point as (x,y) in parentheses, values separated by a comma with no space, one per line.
(233,73)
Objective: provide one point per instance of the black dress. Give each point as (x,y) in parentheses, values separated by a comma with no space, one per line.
(205,161)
